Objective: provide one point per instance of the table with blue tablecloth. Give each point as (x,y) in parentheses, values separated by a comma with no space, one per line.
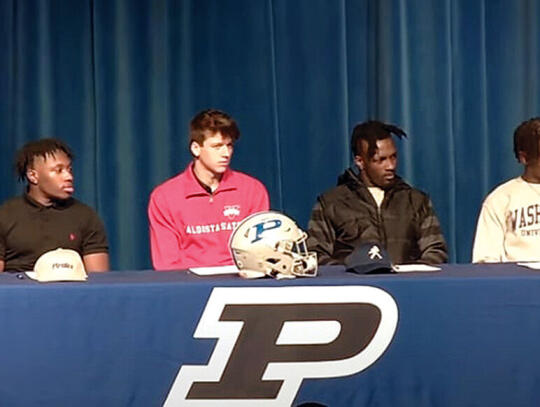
(465,336)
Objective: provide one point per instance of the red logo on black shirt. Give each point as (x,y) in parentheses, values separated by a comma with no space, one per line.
(72,237)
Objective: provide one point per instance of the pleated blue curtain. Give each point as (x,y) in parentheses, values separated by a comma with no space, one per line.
(119,80)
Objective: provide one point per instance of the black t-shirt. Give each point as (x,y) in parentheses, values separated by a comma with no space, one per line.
(29,229)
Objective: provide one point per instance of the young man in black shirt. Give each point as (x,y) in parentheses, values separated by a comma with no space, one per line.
(46,216)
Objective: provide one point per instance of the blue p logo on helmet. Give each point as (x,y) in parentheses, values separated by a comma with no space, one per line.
(260,228)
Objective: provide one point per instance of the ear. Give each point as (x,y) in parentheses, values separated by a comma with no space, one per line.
(522,157)
(31,176)
(359,161)
(195,149)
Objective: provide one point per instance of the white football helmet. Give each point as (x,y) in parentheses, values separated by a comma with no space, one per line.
(270,243)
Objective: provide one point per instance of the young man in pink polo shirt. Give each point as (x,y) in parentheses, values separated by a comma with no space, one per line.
(193,214)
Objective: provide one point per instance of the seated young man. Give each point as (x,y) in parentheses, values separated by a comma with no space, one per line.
(508,228)
(372,204)
(47,217)
(192,215)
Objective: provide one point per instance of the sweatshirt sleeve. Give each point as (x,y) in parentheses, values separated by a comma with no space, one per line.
(164,237)
(260,202)
(489,239)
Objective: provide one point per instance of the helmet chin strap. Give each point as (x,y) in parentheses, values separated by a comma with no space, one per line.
(250,274)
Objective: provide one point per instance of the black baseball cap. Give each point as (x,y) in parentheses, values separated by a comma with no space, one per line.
(369,258)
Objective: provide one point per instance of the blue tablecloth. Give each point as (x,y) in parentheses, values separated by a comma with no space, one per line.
(466,336)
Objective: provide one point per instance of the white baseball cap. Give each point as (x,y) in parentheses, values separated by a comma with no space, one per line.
(59,265)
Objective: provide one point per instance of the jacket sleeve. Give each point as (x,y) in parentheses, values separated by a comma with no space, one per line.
(164,238)
(488,244)
(431,240)
(321,235)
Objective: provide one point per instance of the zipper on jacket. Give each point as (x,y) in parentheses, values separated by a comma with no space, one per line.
(382,230)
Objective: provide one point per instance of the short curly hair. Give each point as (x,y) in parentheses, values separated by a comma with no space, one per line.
(39,148)
(526,138)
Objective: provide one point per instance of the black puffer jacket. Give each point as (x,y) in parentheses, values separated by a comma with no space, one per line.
(347,216)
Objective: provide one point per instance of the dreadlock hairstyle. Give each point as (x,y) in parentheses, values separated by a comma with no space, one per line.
(372,131)
(526,137)
(40,148)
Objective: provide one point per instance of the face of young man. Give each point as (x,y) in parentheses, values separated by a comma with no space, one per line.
(50,178)
(214,155)
(379,170)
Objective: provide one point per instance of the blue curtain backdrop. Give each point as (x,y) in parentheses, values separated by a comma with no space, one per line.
(119,80)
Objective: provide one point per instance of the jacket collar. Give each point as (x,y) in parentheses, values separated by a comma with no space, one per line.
(194,187)
(351,178)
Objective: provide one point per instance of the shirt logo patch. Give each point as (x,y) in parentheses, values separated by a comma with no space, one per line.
(72,237)
(231,211)
(524,221)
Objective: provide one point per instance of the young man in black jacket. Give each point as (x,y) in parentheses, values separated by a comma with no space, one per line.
(372,204)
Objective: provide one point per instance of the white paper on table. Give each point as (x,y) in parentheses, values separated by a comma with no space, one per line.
(535,265)
(214,271)
(411,268)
